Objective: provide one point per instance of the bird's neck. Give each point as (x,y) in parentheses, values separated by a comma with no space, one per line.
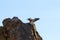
(31,22)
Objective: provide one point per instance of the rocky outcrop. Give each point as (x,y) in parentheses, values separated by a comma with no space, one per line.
(15,29)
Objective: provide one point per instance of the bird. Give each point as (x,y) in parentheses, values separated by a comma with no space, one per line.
(33,20)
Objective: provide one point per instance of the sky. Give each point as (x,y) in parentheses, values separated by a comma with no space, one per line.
(47,10)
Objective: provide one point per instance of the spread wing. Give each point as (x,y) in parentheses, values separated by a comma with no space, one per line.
(36,19)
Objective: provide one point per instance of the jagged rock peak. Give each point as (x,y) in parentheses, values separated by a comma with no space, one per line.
(15,29)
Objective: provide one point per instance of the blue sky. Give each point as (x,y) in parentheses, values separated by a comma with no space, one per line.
(47,10)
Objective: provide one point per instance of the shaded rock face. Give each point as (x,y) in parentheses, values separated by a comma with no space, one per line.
(15,29)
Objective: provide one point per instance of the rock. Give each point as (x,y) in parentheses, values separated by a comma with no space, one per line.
(2,37)
(17,30)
